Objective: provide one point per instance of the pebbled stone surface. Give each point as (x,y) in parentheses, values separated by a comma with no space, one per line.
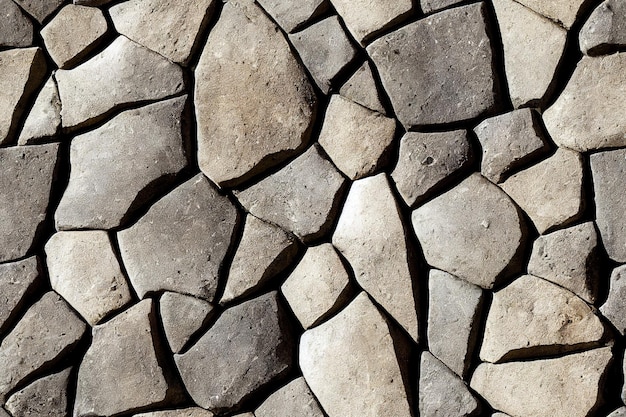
(18,280)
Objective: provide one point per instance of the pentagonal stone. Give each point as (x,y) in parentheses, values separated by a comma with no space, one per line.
(44,120)
(567,386)
(371,235)
(551,191)
(88,94)
(17,281)
(40,9)
(429,161)
(318,286)
(605,29)
(429,6)
(186,412)
(366,18)
(26,181)
(351,365)
(46,397)
(289,15)
(509,141)
(325,50)
(294,399)
(362,89)
(248,347)
(564,12)
(554,321)
(181,243)
(16,30)
(254,103)
(146,142)
(614,308)
(182,316)
(264,251)
(430,76)
(569,258)
(301,198)
(355,138)
(473,231)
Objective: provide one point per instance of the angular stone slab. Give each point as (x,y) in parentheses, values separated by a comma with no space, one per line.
(605,29)
(26,181)
(40,9)
(88,94)
(428,161)
(363,89)
(294,399)
(429,6)
(17,282)
(567,386)
(371,236)
(430,76)
(254,103)
(473,231)
(181,243)
(147,142)
(351,365)
(187,412)
(290,15)
(366,18)
(614,308)
(182,316)
(247,348)
(46,397)
(563,12)
(44,120)
(16,30)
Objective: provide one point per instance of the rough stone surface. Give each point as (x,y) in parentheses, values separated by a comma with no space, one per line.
(620,412)
(429,6)
(254,103)
(365,18)
(605,30)
(17,281)
(429,161)
(355,138)
(363,89)
(473,231)
(16,30)
(294,399)
(181,243)
(182,316)
(46,397)
(40,9)
(614,308)
(187,412)
(289,15)
(371,236)
(564,12)
(44,120)
(430,75)
(147,142)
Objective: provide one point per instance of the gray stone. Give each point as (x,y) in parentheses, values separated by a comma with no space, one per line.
(325,50)
(564,12)
(371,236)
(442,393)
(554,321)
(301,198)
(551,191)
(248,347)
(17,282)
(605,29)
(254,103)
(5,414)
(137,74)
(47,332)
(290,15)
(46,397)
(614,308)
(182,316)
(429,161)
(351,365)
(366,18)
(620,412)
(146,142)
(624,386)
(179,24)
(473,231)
(566,386)
(429,6)
(16,30)
(363,89)
(40,9)
(187,412)
(430,76)
(294,399)
(454,314)
(355,138)
(44,120)
(181,243)
(264,251)
(569,258)
(318,286)
(26,181)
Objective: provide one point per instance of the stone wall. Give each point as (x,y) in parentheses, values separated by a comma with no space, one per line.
(314,208)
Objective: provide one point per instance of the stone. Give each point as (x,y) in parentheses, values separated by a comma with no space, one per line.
(429,6)
(362,88)
(16,30)
(249,346)
(46,397)
(46,333)
(44,120)
(294,399)
(26,182)
(454,315)
(589,113)
(569,258)
(367,18)
(254,104)
(566,386)
(325,50)
(182,316)
(371,236)
(264,252)
(500,415)
(563,12)
(623,386)
(180,25)
(84,270)
(18,280)
(473,231)
(605,29)
(551,191)
(614,308)
(21,73)
(509,142)
(355,138)
(620,412)
(187,412)
(554,321)
(442,393)
(89,94)
(430,76)
(302,198)
(65,48)
(290,16)
(429,161)
(181,243)
(350,363)
(92,3)
(147,141)
(318,286)
(40,9)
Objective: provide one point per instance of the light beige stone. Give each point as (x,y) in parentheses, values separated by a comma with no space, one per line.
(186,412)
(182,316)
(291,15)
(365,18)
(44,119)
(363,89)
(294,399)
(564,12)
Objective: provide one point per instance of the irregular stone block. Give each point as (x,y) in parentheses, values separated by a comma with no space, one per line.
(363,89)
(16,30)
(429,6)
(614,308)
(40,9)
(46,397)
(182,316)
(290,15)
(187,412)
(17,281)
(564,12)
(366,18)
(294,399)
(605,29)
(44,120)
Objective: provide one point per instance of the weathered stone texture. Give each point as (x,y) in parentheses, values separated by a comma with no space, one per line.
(614,308)
(40,9)
(186,412)
(46,397)
(294,399)
(290,15)
(365,18)
(605,30)
(563,12)
(44,120)
(363,89)
(17,281)
(16,29)
(182,316)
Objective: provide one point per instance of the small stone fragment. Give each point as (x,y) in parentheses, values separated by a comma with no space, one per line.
(182,316)
(429,161)
(355,138)
(605,29)
(44,120)
(17,281)
(429,6)
(614,308)
(620,412)
(290,15)
(16,29)
(363,89)
(40,9)
(564,12)
(294,399)
(366,18)
(46,397)
(187,412)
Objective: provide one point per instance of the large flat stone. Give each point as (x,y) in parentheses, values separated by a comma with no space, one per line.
(605,29)
(366,18)
(290,15)
(17,281)
(614,308)
(46,397)
(40,9)
(294,399)
(182,316)
(563,12)
(44,119)
(16,30)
